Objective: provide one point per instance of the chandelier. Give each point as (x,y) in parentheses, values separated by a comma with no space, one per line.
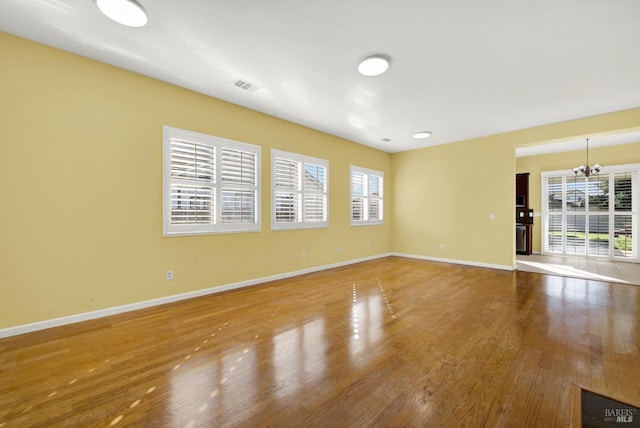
(587,170)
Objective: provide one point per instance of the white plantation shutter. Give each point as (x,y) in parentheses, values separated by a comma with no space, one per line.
(192,205)
(192,161)
(625,220)
(358,200)
(374,209)
(299,191)
(238,206)
(287,190)
(211,185)
(286,207)
(238,178)
(192,191)
(287,174)
(367,204)
(594,216)
(375,197)
(238,167)
(315,194)
(314,208)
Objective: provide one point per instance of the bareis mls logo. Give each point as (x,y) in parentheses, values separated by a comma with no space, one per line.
(618,415)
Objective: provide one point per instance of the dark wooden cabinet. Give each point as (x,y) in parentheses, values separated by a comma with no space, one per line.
(524,215)
(522,190)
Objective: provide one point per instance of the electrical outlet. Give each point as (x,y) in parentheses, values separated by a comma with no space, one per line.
(169,275)
(337,249)
(368,244)
(304,254)
(442,247)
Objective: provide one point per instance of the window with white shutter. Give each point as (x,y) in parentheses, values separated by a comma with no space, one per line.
(596,216)
(211,185)
(367,203)
(299,191)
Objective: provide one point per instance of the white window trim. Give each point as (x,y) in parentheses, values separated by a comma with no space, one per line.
(565,174)
(218,144)
(366,221)
(302,159)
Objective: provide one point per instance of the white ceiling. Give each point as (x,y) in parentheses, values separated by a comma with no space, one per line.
(460,69)
(579,144)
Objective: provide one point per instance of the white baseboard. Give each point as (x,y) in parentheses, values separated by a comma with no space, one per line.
(454,261)
(57,322)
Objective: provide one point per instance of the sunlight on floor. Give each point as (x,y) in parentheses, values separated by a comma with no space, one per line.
(566,270)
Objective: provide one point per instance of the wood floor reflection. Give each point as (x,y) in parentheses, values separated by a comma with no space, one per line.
(392,342)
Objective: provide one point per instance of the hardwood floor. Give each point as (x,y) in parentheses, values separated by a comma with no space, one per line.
(392,342)
(593,268)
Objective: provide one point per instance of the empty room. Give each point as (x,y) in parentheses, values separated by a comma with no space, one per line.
(334,214)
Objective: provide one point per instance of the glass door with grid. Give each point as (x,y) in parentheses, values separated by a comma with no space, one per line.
(592,216)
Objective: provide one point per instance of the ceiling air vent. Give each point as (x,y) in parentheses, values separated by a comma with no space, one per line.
(386,140)
(247,86)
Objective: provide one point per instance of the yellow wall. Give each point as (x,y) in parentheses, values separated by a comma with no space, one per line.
(608,156)
(81,189)
(446,194)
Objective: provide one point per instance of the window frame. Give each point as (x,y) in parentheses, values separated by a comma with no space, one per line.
(302,160)
(366,197)
(216,185)
(559,214)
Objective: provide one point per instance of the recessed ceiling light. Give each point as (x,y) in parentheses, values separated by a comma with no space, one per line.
(125,12)
(422,135)
(374,65)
